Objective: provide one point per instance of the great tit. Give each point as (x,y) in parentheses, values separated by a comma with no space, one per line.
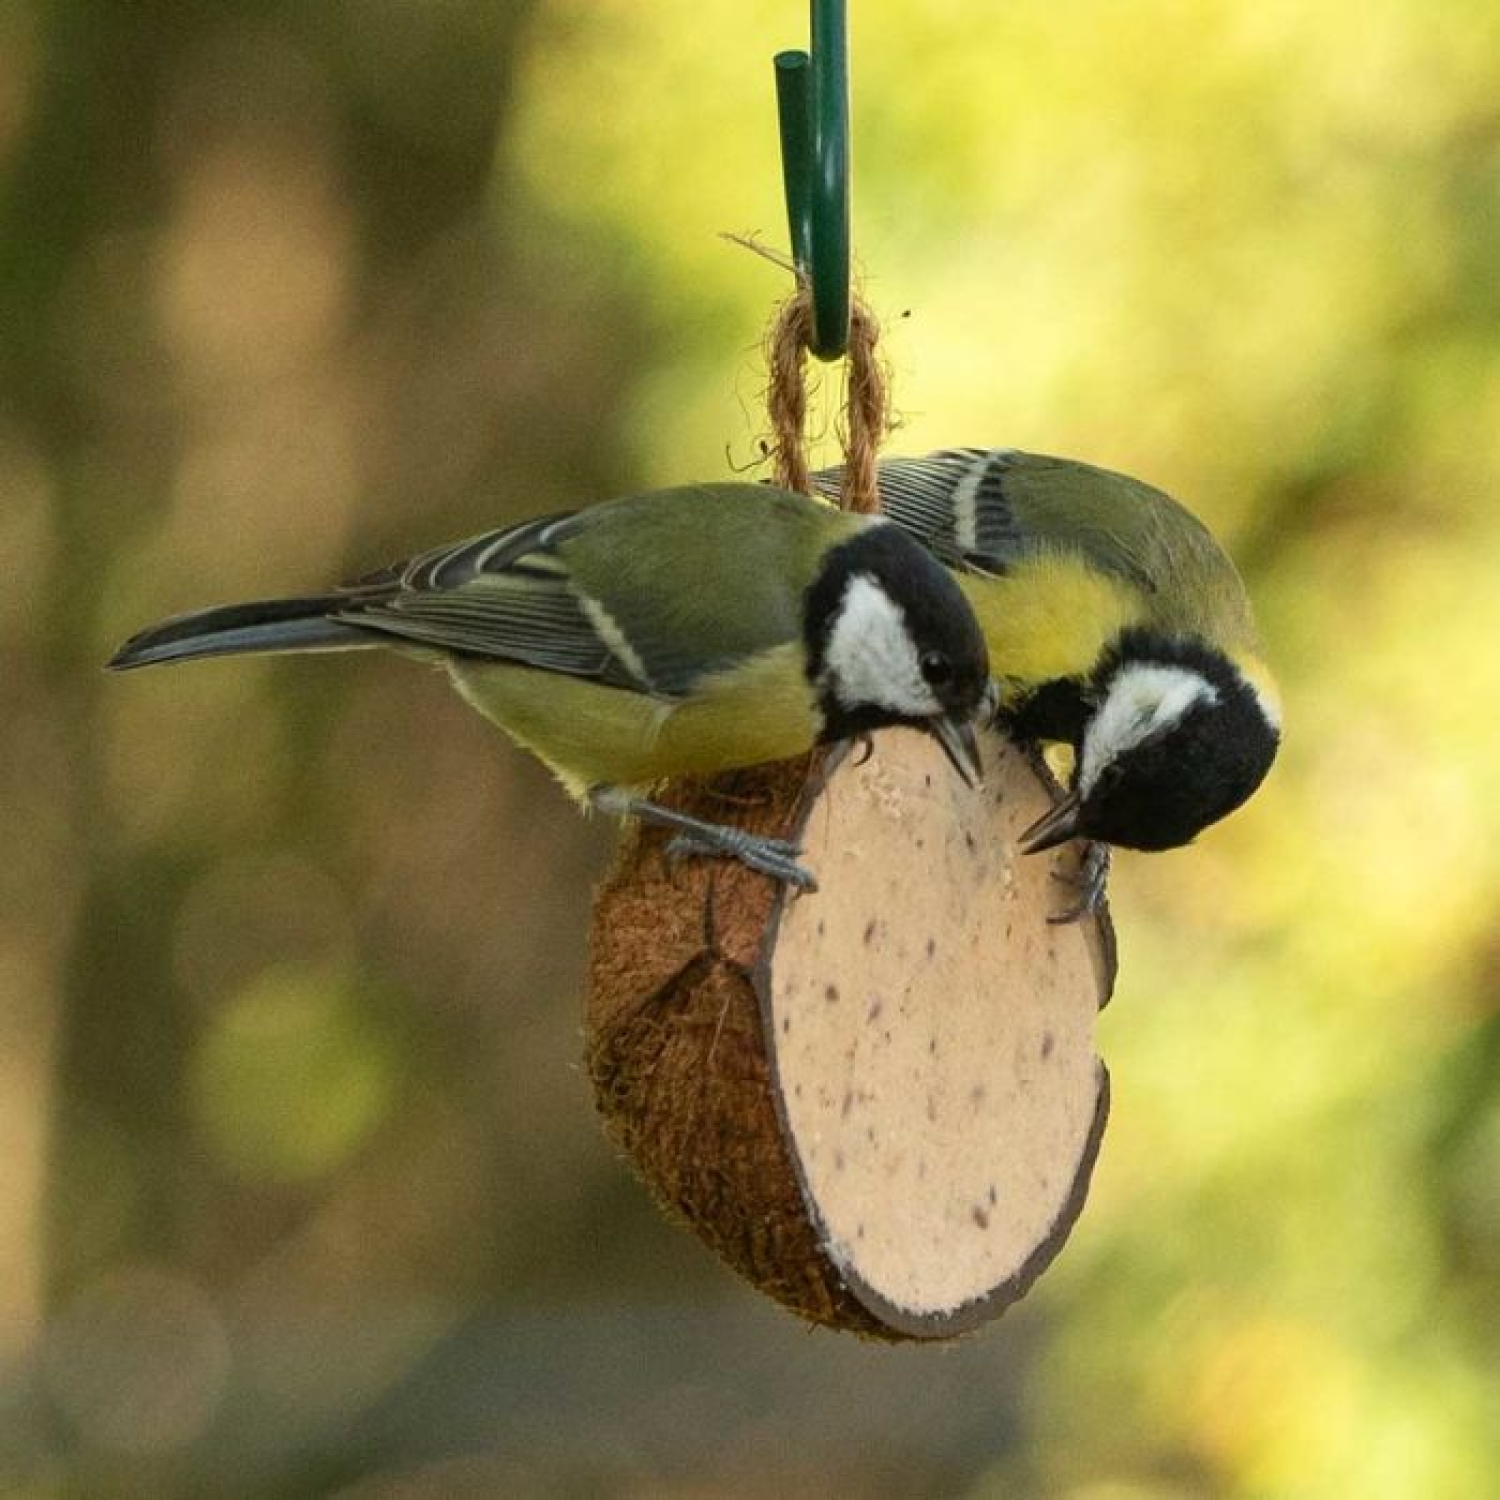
(1116,624)
(685,631)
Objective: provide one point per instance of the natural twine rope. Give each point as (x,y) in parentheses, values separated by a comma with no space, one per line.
(864,421)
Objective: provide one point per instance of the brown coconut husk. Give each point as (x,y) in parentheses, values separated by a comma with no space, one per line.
(880,1101)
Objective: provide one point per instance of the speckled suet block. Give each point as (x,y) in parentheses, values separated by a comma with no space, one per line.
(880,1102)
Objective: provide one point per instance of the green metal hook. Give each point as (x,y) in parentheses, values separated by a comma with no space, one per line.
(812,100)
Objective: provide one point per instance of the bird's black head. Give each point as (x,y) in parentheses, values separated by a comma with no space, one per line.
(1176,737)
(891,640)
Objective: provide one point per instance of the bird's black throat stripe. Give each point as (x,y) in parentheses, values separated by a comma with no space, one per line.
(1055,712)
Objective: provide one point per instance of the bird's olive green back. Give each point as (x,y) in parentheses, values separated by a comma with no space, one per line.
(651,592)
(698,578)
(1188,583)
(1106,550)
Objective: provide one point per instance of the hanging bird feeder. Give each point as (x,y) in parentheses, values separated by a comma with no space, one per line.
(879,1101)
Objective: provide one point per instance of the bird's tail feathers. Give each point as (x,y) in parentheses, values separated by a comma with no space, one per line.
(232,629)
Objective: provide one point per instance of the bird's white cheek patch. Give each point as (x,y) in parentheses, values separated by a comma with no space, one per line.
(870,655)
(1142,700)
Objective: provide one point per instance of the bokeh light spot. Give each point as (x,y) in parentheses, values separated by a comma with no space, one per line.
(293,1076)
(138,1360)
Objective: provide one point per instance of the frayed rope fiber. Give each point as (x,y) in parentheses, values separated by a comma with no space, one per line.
(864,420)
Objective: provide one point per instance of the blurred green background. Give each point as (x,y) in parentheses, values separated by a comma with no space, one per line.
(302,1193)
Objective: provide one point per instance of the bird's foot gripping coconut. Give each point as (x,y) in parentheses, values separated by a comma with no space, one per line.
(881,1102)
(1088,883)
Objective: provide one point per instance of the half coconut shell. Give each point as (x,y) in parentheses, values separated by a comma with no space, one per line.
(879,1101)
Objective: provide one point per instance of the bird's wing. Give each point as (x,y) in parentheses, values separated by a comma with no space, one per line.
(993,510)
(505,595)
(953,502)
(987,509)
(699,579)
(918,495)
(652,592)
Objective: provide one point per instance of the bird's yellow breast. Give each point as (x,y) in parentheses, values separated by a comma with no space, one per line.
(591,735)
(1050,616)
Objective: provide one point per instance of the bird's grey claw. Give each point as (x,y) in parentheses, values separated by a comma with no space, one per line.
(1090,882)
(732,843)
(774,857)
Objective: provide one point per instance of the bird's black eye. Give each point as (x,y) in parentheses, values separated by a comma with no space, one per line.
(936,668)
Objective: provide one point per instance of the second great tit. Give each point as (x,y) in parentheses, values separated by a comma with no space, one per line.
(1116,624)
(686,631)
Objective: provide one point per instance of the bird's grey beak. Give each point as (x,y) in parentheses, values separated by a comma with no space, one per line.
(956,736)
(1055,827)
